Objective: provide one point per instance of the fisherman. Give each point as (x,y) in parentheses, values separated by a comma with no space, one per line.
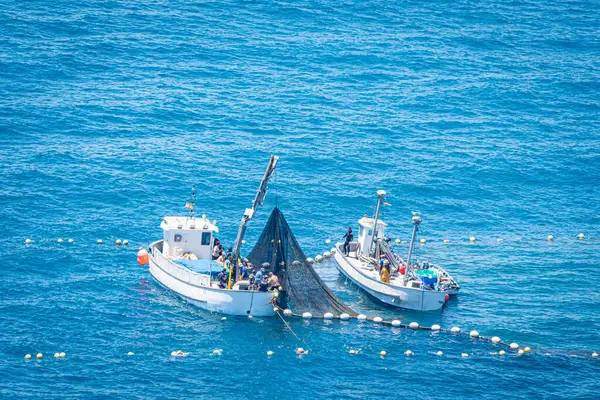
(385,274)
(244,270)
(216,250)
(259,275)
(222,278)
(221,259)
(348,238)
(273,281)
(263,284)
(229,252)
(229,262)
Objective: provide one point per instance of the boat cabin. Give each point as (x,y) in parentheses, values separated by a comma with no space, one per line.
(188,237)
(366,233)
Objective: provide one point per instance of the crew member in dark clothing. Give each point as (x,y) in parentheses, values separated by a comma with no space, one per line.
(223,277)
(264,284)
(349,237)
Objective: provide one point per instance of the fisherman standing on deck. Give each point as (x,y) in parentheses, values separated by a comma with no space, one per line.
(349,237)
(273,281)
(244,270)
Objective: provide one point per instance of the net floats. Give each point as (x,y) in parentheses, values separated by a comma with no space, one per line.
(318,258)
(287,312)
(307,315)
(326,254)
(409,353)
(270,353)
(39,356)
(501,353)
(495,340)
(435,327)
(353,352)
(300,351)
(344,317)
(472,239)
(328,241)
(28,241)
(59,240)
(396,323)
(439,353)
(378,320)
(581,236)
(328,316)
(413,325)
(361,317)
(223,319)
(382,353)
(550,237)
(28,356)
(130,353)
(514,346)
(474,334)
(455,329)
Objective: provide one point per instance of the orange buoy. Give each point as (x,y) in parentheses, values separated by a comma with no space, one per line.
(142,257)
(446,298)
(402,270)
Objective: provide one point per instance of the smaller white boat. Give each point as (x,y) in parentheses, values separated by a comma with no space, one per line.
(182,262)
(417,286)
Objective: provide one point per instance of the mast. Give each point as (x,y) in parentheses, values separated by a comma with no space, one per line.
(249,213)
(380,197)
(191,205)
(416,219)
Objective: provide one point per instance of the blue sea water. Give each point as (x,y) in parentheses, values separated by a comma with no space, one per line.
(481,115)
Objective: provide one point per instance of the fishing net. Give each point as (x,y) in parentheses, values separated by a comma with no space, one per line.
(303,289)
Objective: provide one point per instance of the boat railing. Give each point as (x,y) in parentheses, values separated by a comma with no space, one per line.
(180,272)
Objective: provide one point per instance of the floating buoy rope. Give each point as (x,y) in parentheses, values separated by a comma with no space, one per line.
(473,334)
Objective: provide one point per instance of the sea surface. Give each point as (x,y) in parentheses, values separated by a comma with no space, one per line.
(482,115)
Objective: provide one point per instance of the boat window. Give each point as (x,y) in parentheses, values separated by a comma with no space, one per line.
(177,238)
(205,238)
(370,232)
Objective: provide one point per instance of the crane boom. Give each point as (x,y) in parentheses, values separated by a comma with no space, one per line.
(249,213)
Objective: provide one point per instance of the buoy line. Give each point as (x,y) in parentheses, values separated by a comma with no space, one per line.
(398,324)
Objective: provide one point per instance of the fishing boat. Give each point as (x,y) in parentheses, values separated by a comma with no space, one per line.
(182,261)
(413,286)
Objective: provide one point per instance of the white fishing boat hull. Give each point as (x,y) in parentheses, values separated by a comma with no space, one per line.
(196,289)
(397,296)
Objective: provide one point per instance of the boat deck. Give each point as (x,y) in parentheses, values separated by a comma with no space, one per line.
(201,266)
(368,270)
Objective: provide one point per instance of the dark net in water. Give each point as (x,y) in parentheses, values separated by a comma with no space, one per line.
(303,289)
